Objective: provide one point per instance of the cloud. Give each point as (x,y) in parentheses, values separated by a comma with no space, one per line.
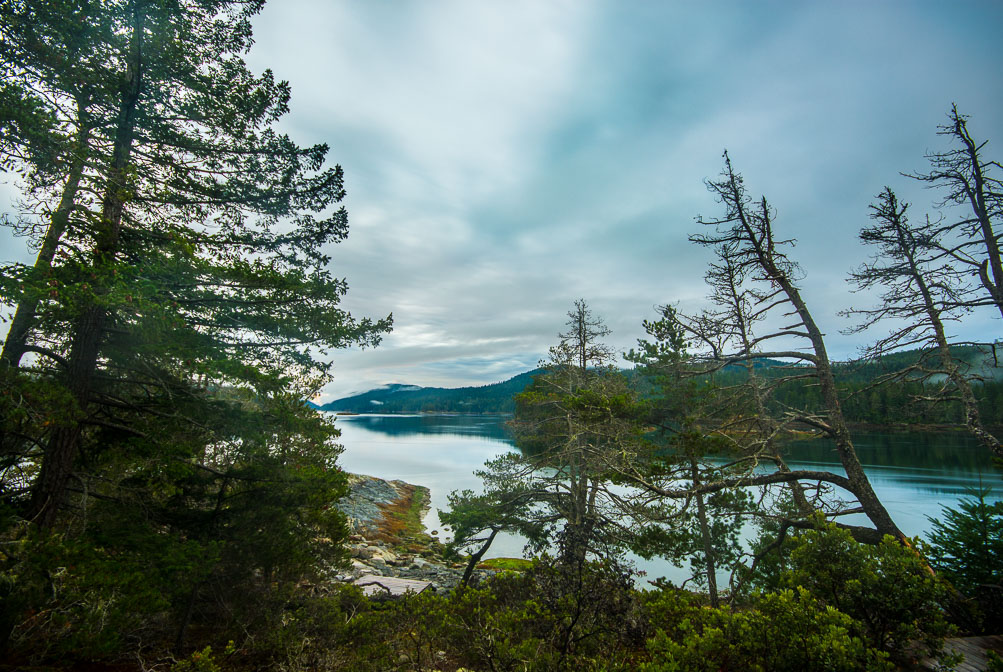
(592,191)
(503,159)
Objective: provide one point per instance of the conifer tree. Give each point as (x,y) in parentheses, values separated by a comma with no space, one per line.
(192,255)
(177,314)
(567,423)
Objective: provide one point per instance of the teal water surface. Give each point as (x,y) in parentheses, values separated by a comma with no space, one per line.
(914,474)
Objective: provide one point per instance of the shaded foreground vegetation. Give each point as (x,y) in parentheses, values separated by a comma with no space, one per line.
(861,612)
(823,602)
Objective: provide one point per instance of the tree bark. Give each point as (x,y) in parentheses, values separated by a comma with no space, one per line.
(24,316)
(475,558)
(708,543)
(860,485)
(49,489)
(976,194)
(973,419)
(760,240)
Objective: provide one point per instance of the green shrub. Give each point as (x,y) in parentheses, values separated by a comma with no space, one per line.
(202,661)
(66,597)
(887,589)
(785,631)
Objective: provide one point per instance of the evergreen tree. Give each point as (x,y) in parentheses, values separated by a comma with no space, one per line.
(569,424)
(199,261)
(684,451)
(175,319)
(967,543)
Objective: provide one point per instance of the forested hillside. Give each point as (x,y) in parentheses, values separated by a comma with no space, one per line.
(494,398)
(876,392)
(867,396)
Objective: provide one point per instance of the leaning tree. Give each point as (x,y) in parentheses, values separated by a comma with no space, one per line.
(921,292)
(754,279)
(969,235)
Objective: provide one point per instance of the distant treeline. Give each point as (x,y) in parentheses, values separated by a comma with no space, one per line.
(864,401)
(494,398)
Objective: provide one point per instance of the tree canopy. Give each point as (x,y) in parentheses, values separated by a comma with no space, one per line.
(175,319)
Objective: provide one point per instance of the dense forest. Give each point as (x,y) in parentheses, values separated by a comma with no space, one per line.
(400,398)
(865,395)
(168,501)
(871,391)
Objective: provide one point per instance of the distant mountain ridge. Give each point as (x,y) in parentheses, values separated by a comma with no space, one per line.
(498,397)
(403,398)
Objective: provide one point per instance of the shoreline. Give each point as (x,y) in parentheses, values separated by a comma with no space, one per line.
(387,536)
(892,428)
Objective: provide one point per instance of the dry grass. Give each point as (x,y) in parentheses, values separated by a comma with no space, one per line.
(401,524)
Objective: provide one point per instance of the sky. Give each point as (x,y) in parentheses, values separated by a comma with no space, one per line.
(505,158)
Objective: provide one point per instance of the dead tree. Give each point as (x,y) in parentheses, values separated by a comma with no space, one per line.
(749,423)
(921,291)
(753,255)
(971,240)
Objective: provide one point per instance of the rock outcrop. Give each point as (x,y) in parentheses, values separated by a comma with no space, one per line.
(372,502)
(384,517)
(377,557)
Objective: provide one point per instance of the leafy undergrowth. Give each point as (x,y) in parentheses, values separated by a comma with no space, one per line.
(839,607)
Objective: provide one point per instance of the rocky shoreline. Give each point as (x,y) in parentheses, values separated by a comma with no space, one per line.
(388,538)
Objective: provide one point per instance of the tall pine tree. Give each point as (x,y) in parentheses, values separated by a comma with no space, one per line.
(177,313)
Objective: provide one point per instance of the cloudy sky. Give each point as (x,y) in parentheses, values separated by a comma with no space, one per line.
(504,158)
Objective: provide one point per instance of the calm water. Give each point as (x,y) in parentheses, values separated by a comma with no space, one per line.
(913,474)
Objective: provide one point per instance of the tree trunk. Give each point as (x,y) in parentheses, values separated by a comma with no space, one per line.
(24,315)
(476,558)
(49,489)
(973,419)
(991,271)
(860,486)
(708,542)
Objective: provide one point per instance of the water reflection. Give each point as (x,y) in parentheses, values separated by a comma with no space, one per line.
(947,451)
(914,475)
(944,464)
(485,426)
(441,452)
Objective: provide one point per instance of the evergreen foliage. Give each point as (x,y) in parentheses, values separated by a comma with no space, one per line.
(167,495)
(702,529)
(967,544)
(886,588)
(555,616)
(864,397)
(153,376)
(966,548)
(568,424)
